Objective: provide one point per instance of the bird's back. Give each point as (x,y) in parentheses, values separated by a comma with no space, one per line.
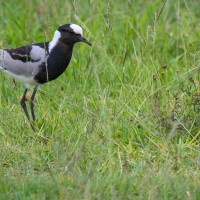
(23,61)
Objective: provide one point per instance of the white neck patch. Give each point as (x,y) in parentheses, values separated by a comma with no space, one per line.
(77,29)
(53,43)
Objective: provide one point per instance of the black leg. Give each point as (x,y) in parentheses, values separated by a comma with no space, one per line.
(23,104)
(32,103)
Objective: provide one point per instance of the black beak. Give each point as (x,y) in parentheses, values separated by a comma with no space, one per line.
(82,39)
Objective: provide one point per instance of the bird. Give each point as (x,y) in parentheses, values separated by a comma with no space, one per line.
(39,63)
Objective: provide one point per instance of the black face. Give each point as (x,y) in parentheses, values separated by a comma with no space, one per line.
(70,37)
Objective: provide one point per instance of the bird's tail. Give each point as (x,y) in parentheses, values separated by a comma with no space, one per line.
(1,60)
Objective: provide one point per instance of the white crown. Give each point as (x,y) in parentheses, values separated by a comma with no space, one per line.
(77,29)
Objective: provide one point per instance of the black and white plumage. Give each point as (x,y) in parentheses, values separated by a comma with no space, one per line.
(41,62)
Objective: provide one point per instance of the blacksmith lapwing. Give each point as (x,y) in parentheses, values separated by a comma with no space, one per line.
(41,62)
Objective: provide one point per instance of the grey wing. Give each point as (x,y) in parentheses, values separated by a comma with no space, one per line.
(23,61)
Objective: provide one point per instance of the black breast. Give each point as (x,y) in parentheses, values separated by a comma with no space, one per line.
(56,63)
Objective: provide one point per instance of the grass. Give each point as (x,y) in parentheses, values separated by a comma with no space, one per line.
(123,121)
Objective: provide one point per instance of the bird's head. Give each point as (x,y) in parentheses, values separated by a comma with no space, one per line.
(72,33)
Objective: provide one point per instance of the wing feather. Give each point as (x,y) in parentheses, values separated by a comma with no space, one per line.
(25,60)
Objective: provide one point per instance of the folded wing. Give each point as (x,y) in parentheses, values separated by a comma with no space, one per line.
(23,61)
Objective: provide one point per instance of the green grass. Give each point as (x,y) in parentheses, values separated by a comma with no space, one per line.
(123,121)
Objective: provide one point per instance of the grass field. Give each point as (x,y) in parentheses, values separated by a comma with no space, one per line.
(123,121)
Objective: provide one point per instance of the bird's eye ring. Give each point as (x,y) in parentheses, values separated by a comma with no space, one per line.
(71,32)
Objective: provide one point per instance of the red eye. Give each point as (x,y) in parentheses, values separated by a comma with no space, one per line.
(70,31)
